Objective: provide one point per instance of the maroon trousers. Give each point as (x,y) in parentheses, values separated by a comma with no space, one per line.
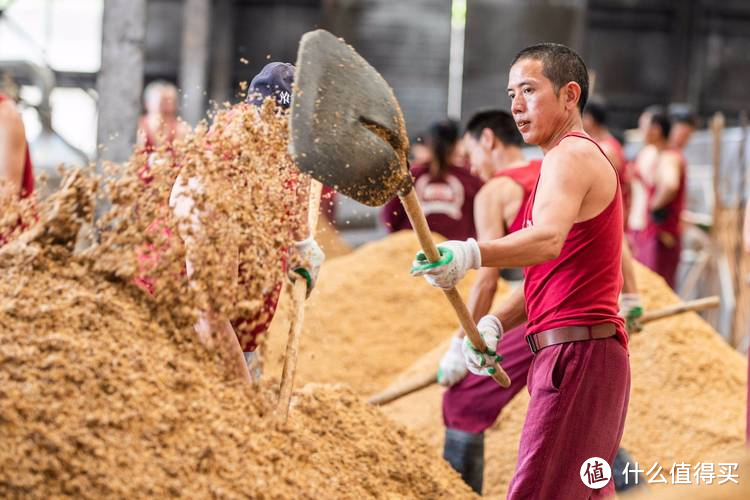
(579,398)
(473,404)
(650,250)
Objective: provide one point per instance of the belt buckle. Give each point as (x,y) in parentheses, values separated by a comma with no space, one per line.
(532,343)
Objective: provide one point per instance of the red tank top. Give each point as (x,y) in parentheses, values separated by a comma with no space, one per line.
(526,177)
(579,287)
(27,181)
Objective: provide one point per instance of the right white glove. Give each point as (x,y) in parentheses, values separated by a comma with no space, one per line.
(481,363)
(456,258)
(452,365)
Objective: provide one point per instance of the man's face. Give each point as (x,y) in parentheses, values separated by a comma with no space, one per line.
(168,102)
(680,134)
(479,157)
(537,109)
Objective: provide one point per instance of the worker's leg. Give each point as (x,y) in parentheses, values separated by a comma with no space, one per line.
(579,396)
(473,404)
(465,452)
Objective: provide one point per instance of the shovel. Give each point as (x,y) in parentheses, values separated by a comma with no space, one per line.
(419,382)
(347,131)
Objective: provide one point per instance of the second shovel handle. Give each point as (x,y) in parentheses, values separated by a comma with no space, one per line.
(419,223)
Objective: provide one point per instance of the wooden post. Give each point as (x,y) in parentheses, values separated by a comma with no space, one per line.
(120,79)
(196,23)
(222,58)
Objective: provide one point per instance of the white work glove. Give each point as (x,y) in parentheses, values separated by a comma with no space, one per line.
(305,259)
(452,365)
(456,258)
(631,310)
(481,363)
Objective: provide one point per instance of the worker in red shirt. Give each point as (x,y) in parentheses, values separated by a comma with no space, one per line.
(16,173)
(595,124)
(472,402)
(659,190)
(445,188)
(570,245)
(237,337)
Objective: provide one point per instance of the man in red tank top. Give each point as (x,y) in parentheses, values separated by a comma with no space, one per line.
(659,178)
(16,174)
(579,379)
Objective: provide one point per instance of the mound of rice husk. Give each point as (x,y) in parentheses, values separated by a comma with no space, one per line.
(104,389)
(368,318)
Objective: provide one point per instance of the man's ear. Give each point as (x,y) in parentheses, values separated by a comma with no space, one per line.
(572,93)
(487,138)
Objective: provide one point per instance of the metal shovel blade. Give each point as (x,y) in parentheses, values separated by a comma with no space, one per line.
(347,129)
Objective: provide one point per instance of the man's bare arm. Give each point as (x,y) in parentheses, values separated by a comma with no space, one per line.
(667,180)
(564,182)
(512,311)
(12,151)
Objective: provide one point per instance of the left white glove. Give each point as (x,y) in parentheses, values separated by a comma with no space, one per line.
(481,363)
(305,259)
(452,365)
(456,258)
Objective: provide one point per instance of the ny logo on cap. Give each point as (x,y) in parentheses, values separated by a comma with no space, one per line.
(284,97)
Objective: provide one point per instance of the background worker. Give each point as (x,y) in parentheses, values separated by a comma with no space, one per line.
(659,180)
(570,244)
(237,337)
(472,403)
(160,124)
(16,173)
(445,188)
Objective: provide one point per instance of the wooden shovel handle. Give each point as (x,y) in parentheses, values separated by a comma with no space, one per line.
(419,223)
(299,292)
(690,305)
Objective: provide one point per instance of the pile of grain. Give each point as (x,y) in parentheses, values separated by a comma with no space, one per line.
(368,318)
(104,391)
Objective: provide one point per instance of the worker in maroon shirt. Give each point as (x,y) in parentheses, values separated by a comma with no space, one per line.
(570,245)
(445,188)
(16,174)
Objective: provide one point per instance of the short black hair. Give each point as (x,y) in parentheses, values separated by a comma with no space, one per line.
(660,118)
(597,108)
(561,65)
(501,124)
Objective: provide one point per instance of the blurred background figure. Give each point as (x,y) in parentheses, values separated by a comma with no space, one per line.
(595,124)
(658,189)
(16,174)
(444,186)
(684,122)
(160,124)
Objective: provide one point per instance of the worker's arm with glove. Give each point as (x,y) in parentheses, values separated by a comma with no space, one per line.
(667,183)
(562,188)
(508,315)
(305,255)
(12,152)
(631,308)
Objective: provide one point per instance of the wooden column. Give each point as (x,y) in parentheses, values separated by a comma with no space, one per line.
(120,79)
(196,29)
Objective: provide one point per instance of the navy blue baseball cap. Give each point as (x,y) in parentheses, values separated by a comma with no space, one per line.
(276,80)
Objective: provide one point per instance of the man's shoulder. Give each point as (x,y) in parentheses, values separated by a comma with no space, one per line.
(574,153)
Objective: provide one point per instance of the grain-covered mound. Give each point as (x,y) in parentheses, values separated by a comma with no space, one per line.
(99,399)
(687,399)
(368,318)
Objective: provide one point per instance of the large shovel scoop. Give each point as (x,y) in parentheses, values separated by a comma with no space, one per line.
(347,131)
